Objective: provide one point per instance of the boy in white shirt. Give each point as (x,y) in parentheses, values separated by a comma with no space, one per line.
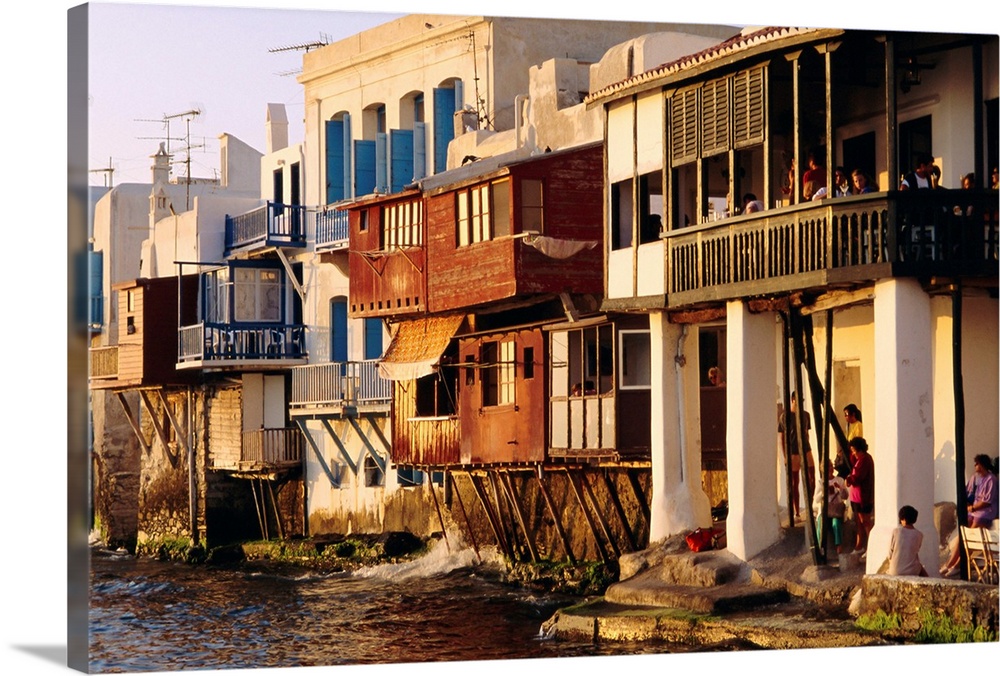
(904,547)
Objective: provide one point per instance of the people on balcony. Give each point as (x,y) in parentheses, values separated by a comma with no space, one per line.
(842,185)
(920,177)
(751,204)
(995,180)
(814,177)
(862,184)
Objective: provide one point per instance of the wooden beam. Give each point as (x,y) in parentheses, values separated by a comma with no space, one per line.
(133,423)
(497,532)
(160,432)
(574,481)
(512,496)
(437,508)
(334,482)
(340,446)
(838,299)
(619,510)
(468,523)
(696,316)
(370,418)
(511,535)
(555,519)
(639,495)
(379,460)
(605,526)
(291,275)
(180,434)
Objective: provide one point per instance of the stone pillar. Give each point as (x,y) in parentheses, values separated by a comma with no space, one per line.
(679,504)
(903,444)
(751,431)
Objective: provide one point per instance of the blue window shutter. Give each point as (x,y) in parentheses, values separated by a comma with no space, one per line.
(95,288)
(401,163)
(334,161)
(444,126)
(348,164)
(338,330)
(381,163)
(364,167)
(373,338)
(419,150)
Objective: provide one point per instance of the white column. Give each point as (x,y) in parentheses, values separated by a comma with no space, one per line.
(678,503)
(903,446)
(751,431)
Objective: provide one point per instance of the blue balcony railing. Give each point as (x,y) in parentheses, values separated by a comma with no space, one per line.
(274,224)
(331,229)
(356,383)
(234,342)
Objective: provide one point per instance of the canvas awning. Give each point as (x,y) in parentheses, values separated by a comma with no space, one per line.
(417,346)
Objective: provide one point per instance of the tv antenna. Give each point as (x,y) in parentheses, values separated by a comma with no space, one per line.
(186,116)
(109,174)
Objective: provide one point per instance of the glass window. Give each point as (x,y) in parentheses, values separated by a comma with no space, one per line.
(634,359)
(531,205)
(257,294)
(497,372)
(621,214)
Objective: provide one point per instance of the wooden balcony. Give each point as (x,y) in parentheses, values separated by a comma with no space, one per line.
(331,230)
(241,345)
(835,242)
(339,385)
(103,362)
(271,225)
(263,450)
(427,442)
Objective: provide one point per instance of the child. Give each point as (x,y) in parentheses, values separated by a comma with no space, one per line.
(836,494)
(904,547)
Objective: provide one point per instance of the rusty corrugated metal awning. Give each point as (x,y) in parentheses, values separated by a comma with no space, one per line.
(417,346)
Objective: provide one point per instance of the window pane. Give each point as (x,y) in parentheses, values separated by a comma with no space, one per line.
(531,205)
(501,208)
(634,359)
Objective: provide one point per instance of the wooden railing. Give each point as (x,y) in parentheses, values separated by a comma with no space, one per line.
(210,341)
(916,232)
(274,224)
(271,447)
(104,362)
(331,229)
(340,384)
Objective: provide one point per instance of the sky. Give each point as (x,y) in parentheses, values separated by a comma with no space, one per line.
(131,61)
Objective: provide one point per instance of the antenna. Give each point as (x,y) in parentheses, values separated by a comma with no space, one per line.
(109,174)
(323,41)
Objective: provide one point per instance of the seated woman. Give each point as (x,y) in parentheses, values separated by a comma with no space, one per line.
(981,496)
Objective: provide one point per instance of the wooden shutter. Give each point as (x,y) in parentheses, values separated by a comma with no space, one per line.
(748,107)
(401,158)
(715,117)
(683,127)
(364,169)
(334,161)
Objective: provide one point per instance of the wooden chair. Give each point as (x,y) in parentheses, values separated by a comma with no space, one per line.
(980,554)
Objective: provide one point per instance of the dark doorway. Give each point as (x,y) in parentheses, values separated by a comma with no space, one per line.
(859,153)
(914,138)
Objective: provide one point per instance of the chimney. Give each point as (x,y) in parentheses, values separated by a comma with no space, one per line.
(161,165)
(277,128)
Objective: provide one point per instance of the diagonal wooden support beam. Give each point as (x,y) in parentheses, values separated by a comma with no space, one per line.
(574,481)
(372,420)
(161,433)
(319,456)
(633,481)
(465,517)
(508,486)
(490,516)
(600,515)
(340,445)
(379,460)
(555,519)
(181,434)
(619,510)
(133,423)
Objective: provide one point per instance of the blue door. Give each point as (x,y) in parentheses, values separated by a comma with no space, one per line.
(334,161)
(338,329)
(401,161)
(444,126)
(364,169)
(373,338)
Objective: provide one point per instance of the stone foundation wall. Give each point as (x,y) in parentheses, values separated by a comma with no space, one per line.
(115,466)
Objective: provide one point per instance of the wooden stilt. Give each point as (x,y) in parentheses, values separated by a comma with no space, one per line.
(556,520)
(600,515)
(620,511)
(437,507)
(575,483)
(798,345)
(261,520)
(494,526)
(509,535)
(133,423)
(472,535)
(519,514)
(274,505)
(633,481)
